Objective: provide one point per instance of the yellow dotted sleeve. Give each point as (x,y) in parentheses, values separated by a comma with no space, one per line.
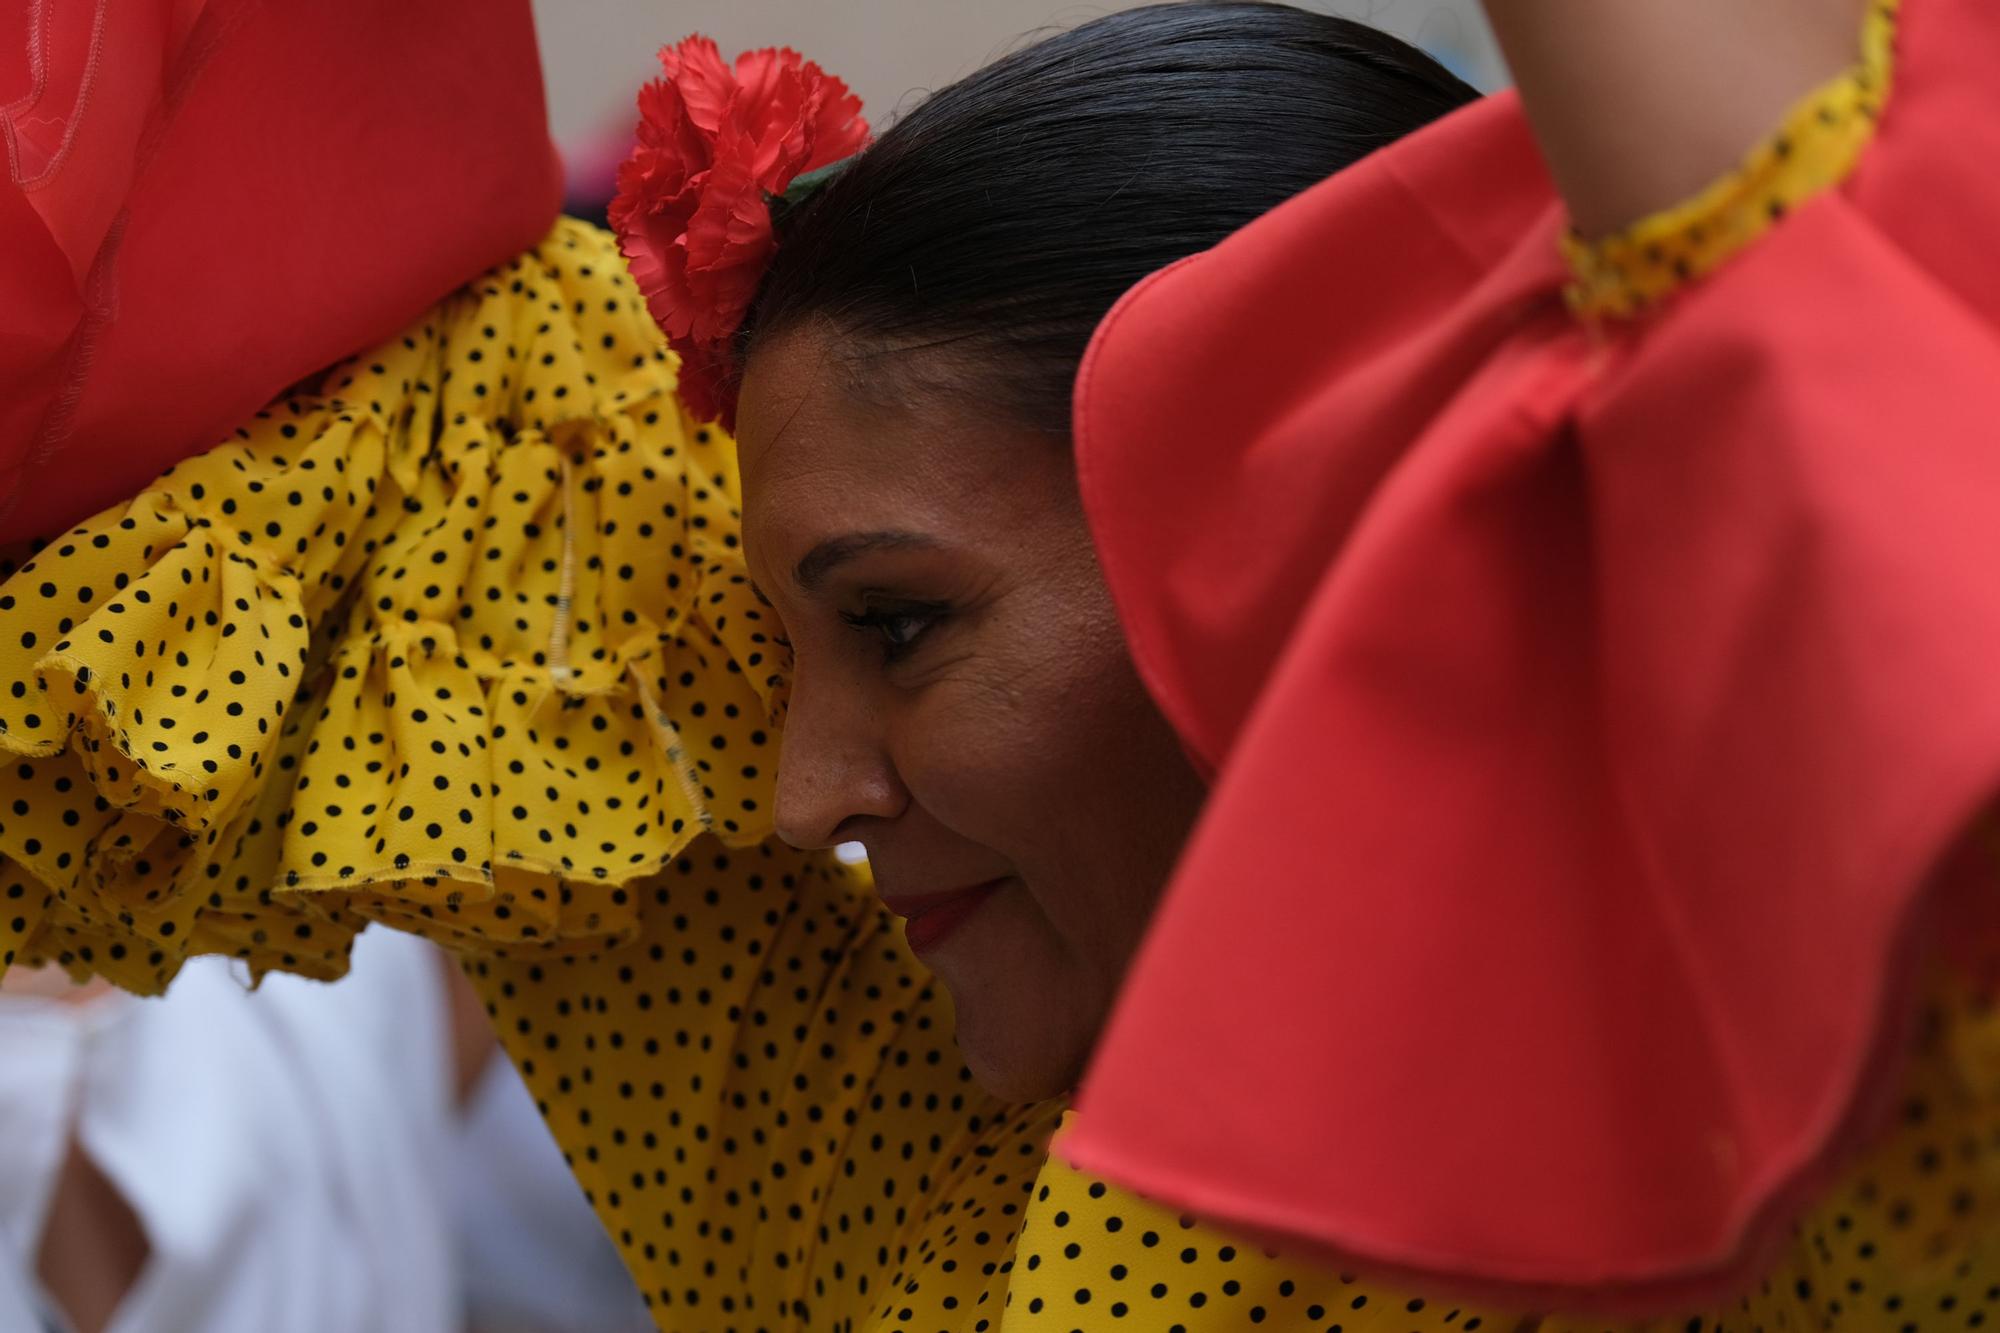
(764,1102)
(1092,1256)
(1814,150)
(455,637)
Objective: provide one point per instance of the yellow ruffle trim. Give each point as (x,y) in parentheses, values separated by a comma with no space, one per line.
(457,638)
(1816,148)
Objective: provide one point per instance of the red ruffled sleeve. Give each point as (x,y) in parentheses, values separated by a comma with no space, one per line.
(1592,709)
(208,199)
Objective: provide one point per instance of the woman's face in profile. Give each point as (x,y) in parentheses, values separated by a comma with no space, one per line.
(962,705)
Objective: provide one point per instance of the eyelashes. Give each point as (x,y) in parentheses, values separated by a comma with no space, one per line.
(897,628)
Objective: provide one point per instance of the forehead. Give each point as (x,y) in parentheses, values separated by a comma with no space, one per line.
(820,459)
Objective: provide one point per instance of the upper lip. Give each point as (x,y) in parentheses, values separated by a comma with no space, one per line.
(908,905)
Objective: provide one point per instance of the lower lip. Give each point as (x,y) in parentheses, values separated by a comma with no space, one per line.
(932,927)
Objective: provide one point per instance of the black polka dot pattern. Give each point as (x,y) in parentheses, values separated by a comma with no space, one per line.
(1092,1257)
(764,1104)
(456,637)
(1816,149)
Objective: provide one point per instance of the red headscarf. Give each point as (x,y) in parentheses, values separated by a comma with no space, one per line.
(208,199)
(1592,711)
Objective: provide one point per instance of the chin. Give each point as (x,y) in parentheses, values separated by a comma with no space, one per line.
(1013,1056)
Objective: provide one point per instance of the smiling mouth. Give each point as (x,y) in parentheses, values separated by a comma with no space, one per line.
(931,919)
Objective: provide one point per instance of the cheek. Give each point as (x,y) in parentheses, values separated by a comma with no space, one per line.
(1045,755)
(968,751)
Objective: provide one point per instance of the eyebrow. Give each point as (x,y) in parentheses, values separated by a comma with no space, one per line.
(829,555)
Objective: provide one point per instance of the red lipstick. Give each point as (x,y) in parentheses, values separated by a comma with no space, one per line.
(930,918)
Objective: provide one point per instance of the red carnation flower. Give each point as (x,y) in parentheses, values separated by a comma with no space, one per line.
(693,212)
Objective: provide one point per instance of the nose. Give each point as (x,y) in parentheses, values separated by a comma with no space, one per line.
(834,769)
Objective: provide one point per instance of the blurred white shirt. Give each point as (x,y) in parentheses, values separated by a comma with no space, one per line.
(283,1150)
(534,1258)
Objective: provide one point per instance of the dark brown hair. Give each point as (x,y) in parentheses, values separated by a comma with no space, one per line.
(997,222)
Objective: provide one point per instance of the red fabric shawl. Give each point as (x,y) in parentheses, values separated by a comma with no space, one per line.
(209,199)
(1591,712)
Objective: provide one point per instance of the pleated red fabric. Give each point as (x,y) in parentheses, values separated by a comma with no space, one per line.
(209,199)
(1592,709)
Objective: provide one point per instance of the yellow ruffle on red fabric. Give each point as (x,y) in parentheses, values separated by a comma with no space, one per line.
(1822,137)
(1672,932)
(457,637)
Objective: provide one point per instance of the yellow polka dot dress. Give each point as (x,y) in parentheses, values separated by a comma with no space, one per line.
(402,650)
(456,638)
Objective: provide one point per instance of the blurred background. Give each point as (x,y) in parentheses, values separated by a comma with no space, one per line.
(596,53)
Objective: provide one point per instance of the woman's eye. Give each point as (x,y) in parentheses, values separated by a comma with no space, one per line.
(901,631)
(897,628)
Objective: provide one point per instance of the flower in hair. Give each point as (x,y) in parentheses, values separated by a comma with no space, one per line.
(716,145)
